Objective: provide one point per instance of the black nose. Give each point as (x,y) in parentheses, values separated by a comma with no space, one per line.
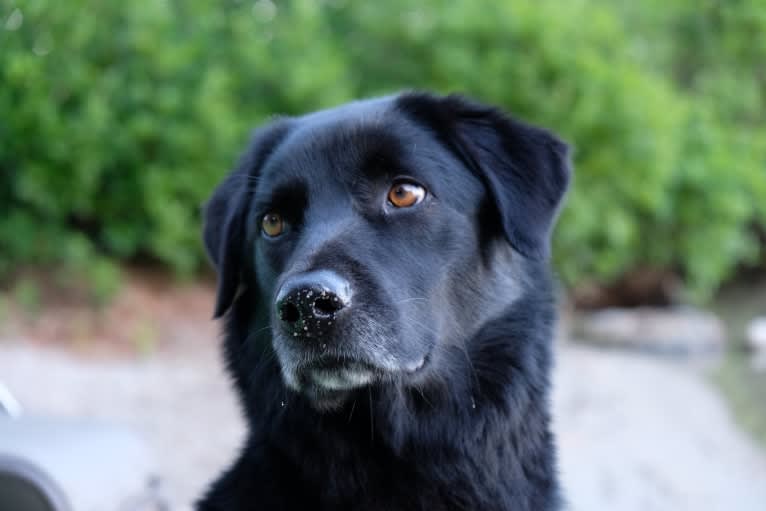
(308,304)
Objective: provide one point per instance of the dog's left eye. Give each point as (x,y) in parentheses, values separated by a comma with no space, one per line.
(405,194)
(272,224)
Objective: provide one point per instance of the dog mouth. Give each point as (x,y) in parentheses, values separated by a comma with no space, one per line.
(341,375)
(345,374)
(328,382)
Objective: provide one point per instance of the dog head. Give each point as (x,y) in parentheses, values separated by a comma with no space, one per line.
(379,235)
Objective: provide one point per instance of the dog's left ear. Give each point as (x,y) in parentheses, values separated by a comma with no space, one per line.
(225,214)
(525,168)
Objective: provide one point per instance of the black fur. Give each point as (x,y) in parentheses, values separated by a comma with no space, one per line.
(458,283)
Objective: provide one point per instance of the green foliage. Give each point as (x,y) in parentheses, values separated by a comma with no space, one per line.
(118,118)
(4,310)
(27,294)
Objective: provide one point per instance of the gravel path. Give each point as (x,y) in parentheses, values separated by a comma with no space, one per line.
(634,433)
(643,434)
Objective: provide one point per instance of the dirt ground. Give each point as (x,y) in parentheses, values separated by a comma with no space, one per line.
(634,432)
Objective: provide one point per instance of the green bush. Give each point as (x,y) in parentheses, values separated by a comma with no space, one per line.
(117,119)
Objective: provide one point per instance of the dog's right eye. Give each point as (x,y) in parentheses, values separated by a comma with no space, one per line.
(405,194)
(272,224)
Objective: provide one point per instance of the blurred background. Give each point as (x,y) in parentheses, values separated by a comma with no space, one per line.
(117,119)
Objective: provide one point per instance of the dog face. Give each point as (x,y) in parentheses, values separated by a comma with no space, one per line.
(380,235)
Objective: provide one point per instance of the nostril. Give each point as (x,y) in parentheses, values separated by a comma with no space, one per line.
(327,305)
(289,312)
(307,304)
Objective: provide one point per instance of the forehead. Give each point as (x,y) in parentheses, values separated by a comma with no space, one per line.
(364,142)
(359,140)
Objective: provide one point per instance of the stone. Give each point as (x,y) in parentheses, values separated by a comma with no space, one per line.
(681,331)
(90,464)
(756,335)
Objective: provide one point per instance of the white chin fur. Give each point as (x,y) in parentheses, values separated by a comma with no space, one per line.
(341,379)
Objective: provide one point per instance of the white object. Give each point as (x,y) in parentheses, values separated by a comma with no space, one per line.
(756,334)
(98,466)
(8,404)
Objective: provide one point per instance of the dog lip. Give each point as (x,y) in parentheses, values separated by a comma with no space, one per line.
(339,363)
(416,366)
(337,374)
(341,379)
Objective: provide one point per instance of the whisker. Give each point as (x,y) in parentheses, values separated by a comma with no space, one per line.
(256,332)
(372,423)
(265,356)
(412,299)
(463,347)
(423,395)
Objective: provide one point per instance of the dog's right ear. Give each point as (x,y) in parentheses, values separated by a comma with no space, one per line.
(526,169)
(225,214)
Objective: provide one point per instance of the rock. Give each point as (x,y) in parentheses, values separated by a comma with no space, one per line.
(91,464)
(756,335)
(675,331)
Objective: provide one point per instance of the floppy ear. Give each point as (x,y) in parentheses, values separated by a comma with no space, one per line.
(526,169)
(225,214)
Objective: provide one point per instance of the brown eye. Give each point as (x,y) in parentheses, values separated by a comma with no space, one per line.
(405,195)
(272,224)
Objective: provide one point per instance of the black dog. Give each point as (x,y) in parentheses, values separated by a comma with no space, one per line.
(388,309)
